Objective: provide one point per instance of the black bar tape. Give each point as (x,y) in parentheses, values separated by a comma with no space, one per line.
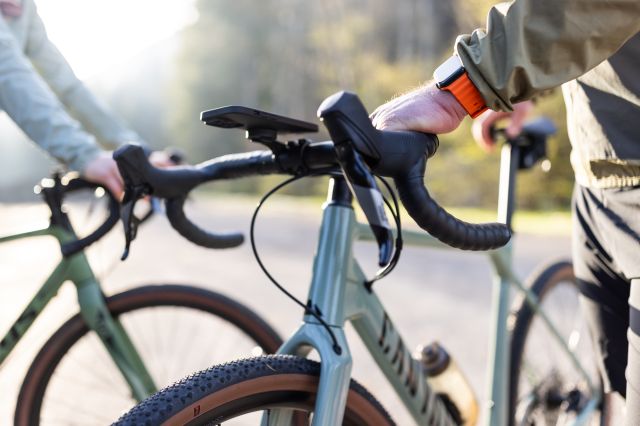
(195,234)
(441,224)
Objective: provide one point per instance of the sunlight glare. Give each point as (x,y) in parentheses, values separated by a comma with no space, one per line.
(95,35)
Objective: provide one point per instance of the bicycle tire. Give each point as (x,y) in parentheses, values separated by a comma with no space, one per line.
(222,392)
(198,300)
(542,284)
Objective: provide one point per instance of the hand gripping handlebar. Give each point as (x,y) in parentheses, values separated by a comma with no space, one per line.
(403,156)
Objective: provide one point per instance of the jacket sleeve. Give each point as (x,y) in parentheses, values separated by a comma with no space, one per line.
(36,110)
(79,101)
(534,45)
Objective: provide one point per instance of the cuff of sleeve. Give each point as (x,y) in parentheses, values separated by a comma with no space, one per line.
(84,157)
(467,48)
(122,138)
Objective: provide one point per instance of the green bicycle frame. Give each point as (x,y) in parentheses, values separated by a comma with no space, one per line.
(339,293)
(93,309)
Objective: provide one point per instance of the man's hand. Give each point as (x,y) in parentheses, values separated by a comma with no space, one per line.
(104,171)
(481,128)
(426,109)
(161,159)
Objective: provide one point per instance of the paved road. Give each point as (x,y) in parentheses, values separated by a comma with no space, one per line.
(432,295)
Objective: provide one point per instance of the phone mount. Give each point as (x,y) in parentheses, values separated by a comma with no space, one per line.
(261,127)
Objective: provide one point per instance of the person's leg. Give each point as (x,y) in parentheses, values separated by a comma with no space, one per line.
(605,292)
(613,409)
(633,366)
(619,223)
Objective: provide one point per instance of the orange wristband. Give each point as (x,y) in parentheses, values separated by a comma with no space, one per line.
(468,95)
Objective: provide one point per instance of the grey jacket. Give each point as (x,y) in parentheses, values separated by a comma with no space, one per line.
(41,94)
(592,49)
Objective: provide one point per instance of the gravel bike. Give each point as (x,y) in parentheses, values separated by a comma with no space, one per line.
(119,349)
(288,388)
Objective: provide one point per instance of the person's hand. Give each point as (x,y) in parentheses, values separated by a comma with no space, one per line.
(426,109)
(11,8)
(103,170)
(161,159)
(481,128)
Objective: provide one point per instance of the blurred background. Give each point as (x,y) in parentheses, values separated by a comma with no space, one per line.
(160,63)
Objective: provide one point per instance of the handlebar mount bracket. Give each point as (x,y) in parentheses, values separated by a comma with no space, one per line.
(261,127)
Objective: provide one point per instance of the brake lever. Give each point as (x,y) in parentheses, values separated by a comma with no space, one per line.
(155,206)
(129,219)
(130,159)
(367,192)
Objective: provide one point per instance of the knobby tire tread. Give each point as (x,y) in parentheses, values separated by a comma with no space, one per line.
(192,391)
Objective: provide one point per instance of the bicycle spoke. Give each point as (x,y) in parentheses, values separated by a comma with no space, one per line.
(172,341)
(551,388)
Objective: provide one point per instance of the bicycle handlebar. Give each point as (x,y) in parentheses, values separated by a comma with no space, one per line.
(403,156)
(399,155)
(142,178)
(54,196)
(227,167)
(430,216)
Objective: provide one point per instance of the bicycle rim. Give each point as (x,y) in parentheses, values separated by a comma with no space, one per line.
(546,388)
(175,329)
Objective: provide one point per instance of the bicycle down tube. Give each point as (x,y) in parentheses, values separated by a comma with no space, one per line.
(92,308)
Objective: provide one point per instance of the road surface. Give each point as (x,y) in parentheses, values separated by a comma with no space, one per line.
(432,295)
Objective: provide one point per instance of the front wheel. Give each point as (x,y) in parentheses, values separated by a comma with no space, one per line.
(240,392)
(545,387)
(176,329)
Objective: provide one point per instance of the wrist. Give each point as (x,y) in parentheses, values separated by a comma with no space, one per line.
(449,103)
(452,77)
(84,158)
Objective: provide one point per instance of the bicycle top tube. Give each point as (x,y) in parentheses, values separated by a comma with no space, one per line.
(357,150)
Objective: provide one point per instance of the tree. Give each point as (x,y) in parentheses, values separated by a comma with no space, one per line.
(286,56)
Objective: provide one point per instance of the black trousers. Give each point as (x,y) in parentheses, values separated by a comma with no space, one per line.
(606,256)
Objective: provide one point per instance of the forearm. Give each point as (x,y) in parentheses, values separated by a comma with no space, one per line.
(97,119)
(79,101)
(35,109)
(530,46)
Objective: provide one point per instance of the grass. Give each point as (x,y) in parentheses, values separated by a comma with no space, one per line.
(525,221)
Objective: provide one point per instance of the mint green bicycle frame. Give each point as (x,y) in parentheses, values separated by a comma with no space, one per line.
(93,309)
(338,292)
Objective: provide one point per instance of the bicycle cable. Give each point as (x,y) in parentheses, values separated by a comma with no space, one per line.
(395,213)
(308,309)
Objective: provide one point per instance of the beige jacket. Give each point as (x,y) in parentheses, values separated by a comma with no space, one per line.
(41,94)
(592,49)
